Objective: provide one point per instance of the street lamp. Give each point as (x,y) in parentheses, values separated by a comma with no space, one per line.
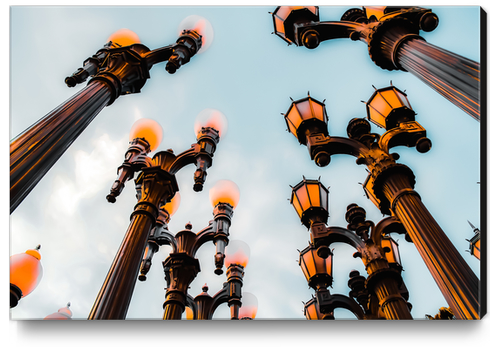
(394,43)
(155,185)
(26,271)
(390,187)
(203,306)
(63,313)
(384,283)
(121,67)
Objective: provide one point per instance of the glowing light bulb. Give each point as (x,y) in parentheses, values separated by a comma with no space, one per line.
(212,118)
(26,270)
(249,306)
(172,206)
(147,129)
(203,28)
(123,37)
(237,252)
(224,191)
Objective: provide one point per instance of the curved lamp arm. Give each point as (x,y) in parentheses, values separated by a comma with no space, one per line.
(338,234)
(386,226)
(343,301)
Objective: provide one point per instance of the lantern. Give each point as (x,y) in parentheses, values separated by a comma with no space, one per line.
(249,307)
(225,191)
(317,270)
(390,248)
(310,200)
(147,129)
(388,107)
(286,18)
(305,117)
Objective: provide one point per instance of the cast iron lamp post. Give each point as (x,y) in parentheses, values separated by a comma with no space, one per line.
(310,200)
(203,306)
(26,271)
(392,37)
(390,185)
(115,70)
(156,184)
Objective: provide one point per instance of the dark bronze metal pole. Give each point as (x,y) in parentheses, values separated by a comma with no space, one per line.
(37,149)
(115,295)
(453,76)
(457,282)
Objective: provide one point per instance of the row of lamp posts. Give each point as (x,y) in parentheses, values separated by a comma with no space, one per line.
(392,36)
(389,185)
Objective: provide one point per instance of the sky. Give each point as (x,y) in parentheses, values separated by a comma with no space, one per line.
(249,75)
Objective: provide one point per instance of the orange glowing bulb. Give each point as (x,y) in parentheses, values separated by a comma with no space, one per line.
(62,314)
(203,28)
(224,191)
(189,314)
(123,37)
(237,252)
(147,129)
(172,206)
(26,270)
(212,118)
(249,306)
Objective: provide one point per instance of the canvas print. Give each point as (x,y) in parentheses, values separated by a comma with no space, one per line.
(246,163)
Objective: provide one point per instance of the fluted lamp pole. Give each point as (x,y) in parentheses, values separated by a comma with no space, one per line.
(121,67)
(390,186)
(394,43)
(26,271)
(156,185)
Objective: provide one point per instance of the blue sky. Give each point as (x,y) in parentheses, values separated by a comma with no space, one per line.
(249,75)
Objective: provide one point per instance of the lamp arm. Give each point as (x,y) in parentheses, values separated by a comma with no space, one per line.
(409,134)
(338,234)
(158,55)
(343,301)
(320,145)
(387,226)
(219,298)
(90,67)
(330,30)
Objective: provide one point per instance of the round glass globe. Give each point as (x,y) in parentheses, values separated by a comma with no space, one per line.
(172,206)
(147,129)
(225,191)
(123,37)
(212,118)
(237,252)
(26,270)
(203,28)
(249,306)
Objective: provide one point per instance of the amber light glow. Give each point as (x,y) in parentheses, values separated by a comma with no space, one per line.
(284,16)
(249,306)
(147,129)
(172,206)
(306,110)
(189,314)
(310,195)
(225,191)
(390,248)
(26,270)
(123,37)
(383,102)
(212,118)
(203,28)
(237,252)
(315,268)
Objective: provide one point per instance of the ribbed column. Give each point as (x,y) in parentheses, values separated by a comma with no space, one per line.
(116,292)
(37,149)
(451,75)
(393,305)
(457,282)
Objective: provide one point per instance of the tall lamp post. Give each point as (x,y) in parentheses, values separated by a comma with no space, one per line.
(156,184)
(394,43)
(26,271)
(121,67)
(377,250)
(203,306)
(390,186)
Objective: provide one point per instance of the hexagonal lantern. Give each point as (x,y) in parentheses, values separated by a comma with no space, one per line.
(390,248)
(310,200)
(475,245)
(388,107)
(305,117)
(317,270)
(285,18)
